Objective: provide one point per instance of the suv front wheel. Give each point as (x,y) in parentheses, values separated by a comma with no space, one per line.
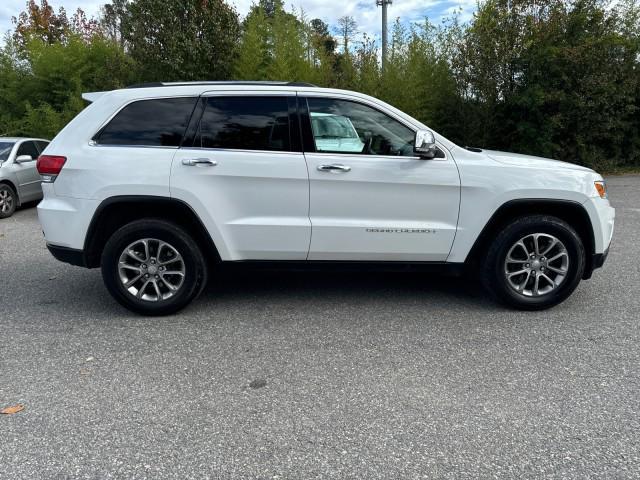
(534,263)
(153,267)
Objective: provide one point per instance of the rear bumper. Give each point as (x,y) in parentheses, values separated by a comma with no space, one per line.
(65,220)
(68,255)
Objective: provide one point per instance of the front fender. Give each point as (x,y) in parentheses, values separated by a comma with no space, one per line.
(488,185)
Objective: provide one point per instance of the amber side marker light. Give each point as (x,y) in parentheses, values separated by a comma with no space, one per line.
(601,188)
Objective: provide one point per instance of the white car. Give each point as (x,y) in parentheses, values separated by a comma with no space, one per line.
(159,183)
(19,178)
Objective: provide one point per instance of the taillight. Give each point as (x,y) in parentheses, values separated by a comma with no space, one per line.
(49,167)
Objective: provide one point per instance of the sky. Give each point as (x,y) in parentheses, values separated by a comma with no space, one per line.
(366,14)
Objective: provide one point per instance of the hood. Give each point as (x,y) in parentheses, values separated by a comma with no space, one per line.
(531,161)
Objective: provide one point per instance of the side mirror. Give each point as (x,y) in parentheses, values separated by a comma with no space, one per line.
(24,158)
(425,144)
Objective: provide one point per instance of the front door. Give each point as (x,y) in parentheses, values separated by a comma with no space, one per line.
(371,198)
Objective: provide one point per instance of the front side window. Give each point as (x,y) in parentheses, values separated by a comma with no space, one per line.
(159,122)
(245,123)
(28,148)
(342,126)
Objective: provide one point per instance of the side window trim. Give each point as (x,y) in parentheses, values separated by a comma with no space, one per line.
(292,115)
(307,131)
(359,102)
(93,142)
(349,98)
(193,127)
(295,135)
(308,142)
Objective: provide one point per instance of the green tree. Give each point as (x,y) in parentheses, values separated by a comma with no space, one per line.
(554,78)
(253,55)
(181,40)
(366,66)
(557,78)
(41,83)
(321,38)
(275,46)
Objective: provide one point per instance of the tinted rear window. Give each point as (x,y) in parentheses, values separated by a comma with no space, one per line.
(245,123)
(158,123)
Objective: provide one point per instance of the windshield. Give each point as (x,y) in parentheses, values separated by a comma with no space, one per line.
(5,150)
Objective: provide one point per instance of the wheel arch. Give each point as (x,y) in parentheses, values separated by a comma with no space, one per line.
(116,212)
(570,211)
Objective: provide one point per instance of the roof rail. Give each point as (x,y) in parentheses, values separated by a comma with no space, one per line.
(224,82)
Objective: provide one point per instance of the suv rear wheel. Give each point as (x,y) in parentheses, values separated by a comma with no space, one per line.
(8,201)
(153,267)
(534,263)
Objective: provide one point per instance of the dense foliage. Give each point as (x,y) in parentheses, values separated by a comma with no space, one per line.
(548,77)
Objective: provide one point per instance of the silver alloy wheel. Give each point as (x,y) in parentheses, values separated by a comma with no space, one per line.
(151,269)
(6,200)
(536,265)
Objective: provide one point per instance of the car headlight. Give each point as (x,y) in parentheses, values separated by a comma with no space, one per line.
(601,188)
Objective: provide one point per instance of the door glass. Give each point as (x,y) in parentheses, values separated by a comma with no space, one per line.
(159,122)
(28,148)
(245,123)
(41,145)
(341,126)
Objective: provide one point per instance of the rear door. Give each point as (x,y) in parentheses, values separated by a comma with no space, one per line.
(242,169)
(371,197)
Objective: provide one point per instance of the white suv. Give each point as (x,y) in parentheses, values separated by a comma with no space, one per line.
(157,183)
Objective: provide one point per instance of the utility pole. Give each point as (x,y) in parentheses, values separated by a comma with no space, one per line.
(383,4)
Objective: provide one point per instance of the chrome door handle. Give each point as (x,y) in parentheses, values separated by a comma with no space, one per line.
(335,168)
(192,162)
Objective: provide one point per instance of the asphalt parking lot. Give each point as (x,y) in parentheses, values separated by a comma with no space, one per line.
(313,375)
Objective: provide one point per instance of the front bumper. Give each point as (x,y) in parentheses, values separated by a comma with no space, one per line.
(602,216)
(597,261)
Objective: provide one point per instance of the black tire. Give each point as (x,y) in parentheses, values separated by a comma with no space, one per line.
(192,263)
(9,198)
(492,271)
